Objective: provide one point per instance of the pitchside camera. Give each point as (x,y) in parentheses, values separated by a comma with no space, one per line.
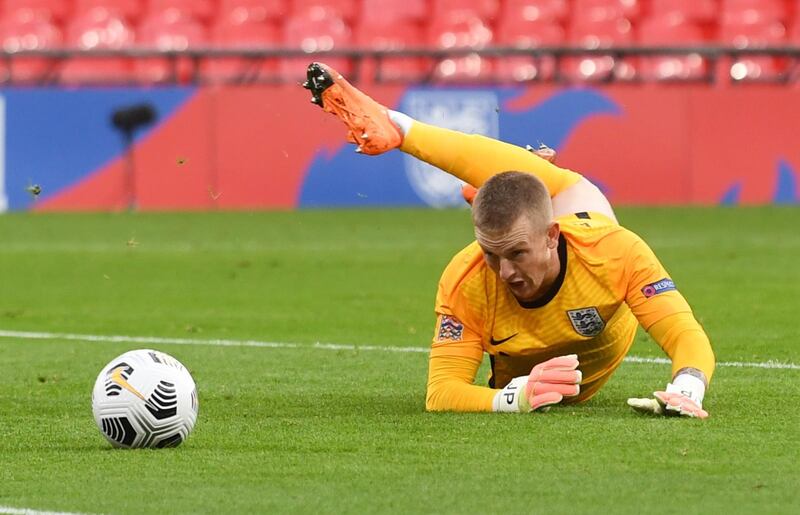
(128,119)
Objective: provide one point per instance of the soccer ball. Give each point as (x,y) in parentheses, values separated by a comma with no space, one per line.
(145,398)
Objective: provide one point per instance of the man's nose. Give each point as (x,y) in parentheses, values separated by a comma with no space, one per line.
(506,269)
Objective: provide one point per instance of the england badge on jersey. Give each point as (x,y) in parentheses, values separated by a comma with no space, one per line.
(586,321)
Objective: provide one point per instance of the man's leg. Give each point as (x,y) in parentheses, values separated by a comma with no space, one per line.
(471,158)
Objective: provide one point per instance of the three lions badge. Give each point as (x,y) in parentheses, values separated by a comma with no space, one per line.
(586,321)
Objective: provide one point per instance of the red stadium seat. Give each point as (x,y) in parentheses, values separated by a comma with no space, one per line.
(233,32)
(461,29)
(252,11)
(527,34)
(347,9)
(604,10)
(755,35)
(312,30)
(169,30)
(201,9)
(793,35)
(25,30)
(599,34)
(486,9)
(533,11)
(97,29)
(56,9)
(396,35)
(694,11)
(753,11)
(672,31)
(390,11)
(132,10)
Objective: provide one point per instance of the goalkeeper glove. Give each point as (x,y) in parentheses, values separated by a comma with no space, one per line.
(683,397)
(547,384)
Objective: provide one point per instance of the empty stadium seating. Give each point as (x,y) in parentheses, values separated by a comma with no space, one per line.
(673,31)
(762,32)
(169,30)
(461,30)
(693,11)
(386,12)
(398,35)
(56,10)
(346,9)
(599,33)
(98,29)
(25,30)
(131,10)
(242,33)
(598,11)
(319,25)
(200,9)
(520,33)
(251,11)
(527,11)
(315,29)
(753,11)
(485,9)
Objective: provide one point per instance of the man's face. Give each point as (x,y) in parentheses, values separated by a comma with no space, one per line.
(523,256)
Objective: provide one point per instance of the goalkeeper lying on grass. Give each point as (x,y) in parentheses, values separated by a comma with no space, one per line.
(552,289)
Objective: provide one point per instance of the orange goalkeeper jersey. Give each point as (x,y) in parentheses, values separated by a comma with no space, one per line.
(609,279)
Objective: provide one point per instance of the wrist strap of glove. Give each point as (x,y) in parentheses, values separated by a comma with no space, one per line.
(690,386)
(512,398)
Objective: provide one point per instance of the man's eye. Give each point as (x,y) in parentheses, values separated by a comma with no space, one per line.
(517,254)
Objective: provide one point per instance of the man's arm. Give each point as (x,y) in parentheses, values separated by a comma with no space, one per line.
(573,197)
(451,388)
(582,196)
(474,158)
(455,358)
(667,317)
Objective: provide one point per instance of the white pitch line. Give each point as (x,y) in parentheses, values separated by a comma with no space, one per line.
(26,511)
(27,335)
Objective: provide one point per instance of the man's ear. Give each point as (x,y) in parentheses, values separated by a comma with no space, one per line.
(553,232)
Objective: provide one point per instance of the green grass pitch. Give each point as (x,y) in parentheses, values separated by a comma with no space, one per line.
(319,430)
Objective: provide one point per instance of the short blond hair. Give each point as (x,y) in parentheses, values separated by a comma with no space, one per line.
(507,196)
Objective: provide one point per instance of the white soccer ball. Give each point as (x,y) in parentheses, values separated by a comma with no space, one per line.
(145,398)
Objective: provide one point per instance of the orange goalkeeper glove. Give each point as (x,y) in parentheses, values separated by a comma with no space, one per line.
(547,384)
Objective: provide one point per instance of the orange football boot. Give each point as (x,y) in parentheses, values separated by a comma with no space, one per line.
(367,121)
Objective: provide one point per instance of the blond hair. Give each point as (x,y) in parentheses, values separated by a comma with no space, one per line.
(507,196)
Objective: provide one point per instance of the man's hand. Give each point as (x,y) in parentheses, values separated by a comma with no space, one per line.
(547,384)
(670,404)
(551,381)
(543,151)
(683,397)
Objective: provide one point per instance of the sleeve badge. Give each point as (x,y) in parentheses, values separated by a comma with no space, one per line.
(450,328)
(657,287)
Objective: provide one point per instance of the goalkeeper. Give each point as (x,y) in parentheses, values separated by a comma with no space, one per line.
(552,289)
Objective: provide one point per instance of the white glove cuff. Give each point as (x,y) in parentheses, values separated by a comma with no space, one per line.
(690,386)
(507,399)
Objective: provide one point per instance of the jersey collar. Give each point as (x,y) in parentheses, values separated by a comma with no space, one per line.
(548,296)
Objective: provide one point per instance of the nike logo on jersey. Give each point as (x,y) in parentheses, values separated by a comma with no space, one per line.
(498,342)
